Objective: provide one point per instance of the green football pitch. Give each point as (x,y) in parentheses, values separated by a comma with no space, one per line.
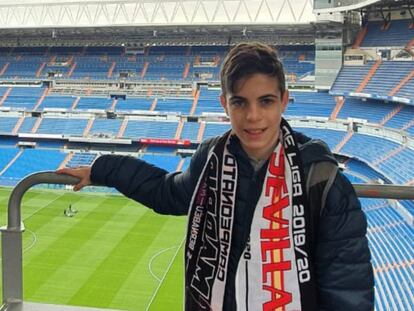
(114,253)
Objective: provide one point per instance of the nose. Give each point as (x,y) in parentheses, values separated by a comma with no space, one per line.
(253,112)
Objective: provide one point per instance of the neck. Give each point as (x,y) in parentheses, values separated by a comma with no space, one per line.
(263,154)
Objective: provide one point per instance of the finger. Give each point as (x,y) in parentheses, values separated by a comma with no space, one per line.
(70,172)
(65,171)
(78,186)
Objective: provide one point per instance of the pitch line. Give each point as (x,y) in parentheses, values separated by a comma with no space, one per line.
(154,257)
(40,208)
(34,241)
(163,277)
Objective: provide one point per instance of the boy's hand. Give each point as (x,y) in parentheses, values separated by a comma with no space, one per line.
(83,173)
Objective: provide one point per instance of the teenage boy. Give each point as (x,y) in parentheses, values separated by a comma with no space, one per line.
(252,242)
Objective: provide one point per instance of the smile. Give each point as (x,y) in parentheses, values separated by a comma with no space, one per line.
(254,131)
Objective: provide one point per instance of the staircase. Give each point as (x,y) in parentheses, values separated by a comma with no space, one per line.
(197,60)
(402,265)
(402,83)
(216,60)
(72,69)
(144,70)
(37,125)
(122,128)
(111,70)
(180,165)
(389,155)
(391,114)
(340,101)
(5,95)
(3,70)
(66,160)
(17,126)
(179,130)
(11,162)
(88,127)
(195,102)
(154,104)
(39,71)
(409,51)
(200,133)
(52,60)
(70,60)
(408,125)
(368,76)
(75,103)
(386,26)
(410,44)
(40,100)
(113,106)
(342,143)
(186,70)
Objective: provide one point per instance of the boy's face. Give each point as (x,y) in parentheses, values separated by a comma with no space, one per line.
(255,110)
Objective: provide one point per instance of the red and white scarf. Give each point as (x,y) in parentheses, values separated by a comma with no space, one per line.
(275,271)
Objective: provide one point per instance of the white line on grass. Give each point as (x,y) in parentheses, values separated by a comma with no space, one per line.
(40,208)
(33,242)
(154,257)
(163,277)
(34,234)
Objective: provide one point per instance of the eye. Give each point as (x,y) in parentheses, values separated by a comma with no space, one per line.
(237,103)
(267,101)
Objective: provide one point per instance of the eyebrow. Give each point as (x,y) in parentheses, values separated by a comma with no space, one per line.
(269,95)
(261,97)
(233,97)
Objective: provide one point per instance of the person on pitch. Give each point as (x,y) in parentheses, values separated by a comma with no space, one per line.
(262,235)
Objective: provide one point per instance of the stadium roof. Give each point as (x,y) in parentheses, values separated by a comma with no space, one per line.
(109,13)
(330,6)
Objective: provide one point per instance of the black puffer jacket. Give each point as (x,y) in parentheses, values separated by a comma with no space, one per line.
(342,259)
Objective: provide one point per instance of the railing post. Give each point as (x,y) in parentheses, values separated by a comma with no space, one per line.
(11,235)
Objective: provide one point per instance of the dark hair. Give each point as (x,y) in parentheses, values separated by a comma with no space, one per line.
(246,59)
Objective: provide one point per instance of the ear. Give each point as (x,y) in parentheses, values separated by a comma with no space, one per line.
(285,100)
(223,103)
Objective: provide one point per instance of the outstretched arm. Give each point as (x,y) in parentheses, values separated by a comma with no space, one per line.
(165,193)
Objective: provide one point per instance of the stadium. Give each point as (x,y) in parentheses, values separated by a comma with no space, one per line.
(80,79)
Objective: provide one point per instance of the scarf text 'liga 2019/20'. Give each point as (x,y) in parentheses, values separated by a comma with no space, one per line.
(275,269)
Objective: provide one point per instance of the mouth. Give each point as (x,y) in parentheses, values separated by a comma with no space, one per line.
(255,131)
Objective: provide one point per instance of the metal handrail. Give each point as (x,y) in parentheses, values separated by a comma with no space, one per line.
(47,177)
(12,233)
(397,192)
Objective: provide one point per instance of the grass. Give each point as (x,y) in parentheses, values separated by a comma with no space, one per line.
(115,253)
